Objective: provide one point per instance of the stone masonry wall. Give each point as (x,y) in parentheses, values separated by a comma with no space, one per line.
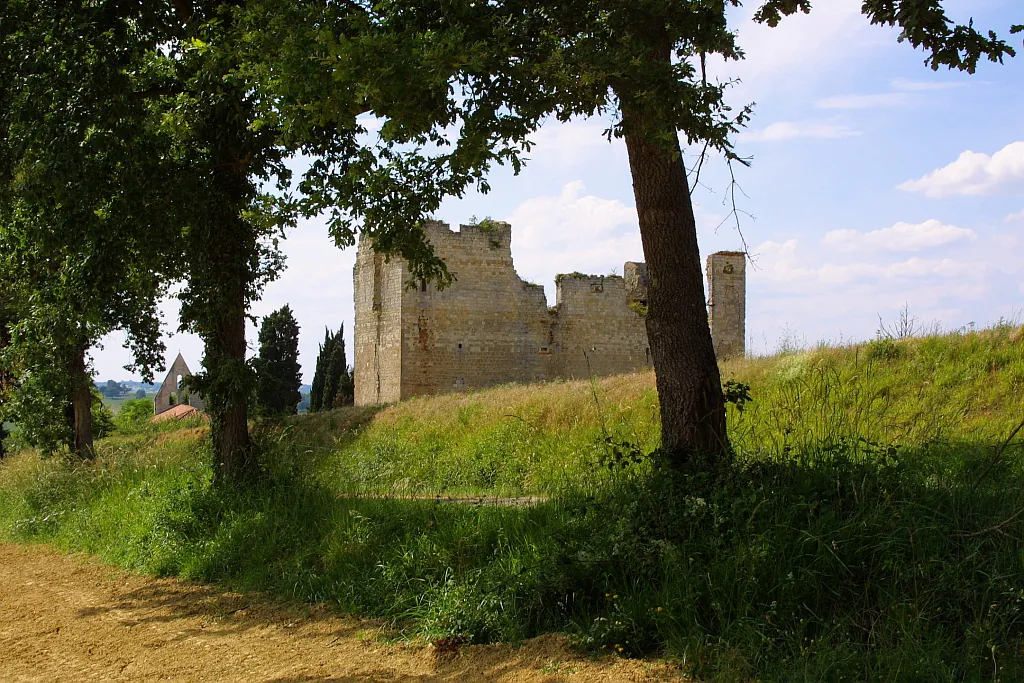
(486,328)
(596,330)
(491,327)
(727,302)
(169,388)
(379,288)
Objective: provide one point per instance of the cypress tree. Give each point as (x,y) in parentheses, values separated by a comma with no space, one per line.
(332,382)
(278,376)
(316,392)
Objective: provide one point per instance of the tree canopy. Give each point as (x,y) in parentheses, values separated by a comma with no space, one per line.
(130,160)
(81,239)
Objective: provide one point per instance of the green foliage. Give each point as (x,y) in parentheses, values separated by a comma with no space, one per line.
(40,407)
(489,227)
(80,161)
(140,393)
(278,375)
(737,394)
(145,124)
(102,417)
(639,307)
(134,415)
(883,348)
(333,381)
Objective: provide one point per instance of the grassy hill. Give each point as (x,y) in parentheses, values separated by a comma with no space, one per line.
(870,527)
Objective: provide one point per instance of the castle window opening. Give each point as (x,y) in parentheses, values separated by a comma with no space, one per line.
(597,288)
(423,284)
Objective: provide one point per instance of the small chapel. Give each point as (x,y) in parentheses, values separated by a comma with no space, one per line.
(172,393)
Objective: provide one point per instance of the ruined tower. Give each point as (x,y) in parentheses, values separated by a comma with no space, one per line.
(727,302)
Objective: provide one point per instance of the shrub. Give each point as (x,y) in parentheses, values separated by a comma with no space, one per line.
(102,417)
(134,415)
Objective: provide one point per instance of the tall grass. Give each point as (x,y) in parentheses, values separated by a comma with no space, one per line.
(869,528)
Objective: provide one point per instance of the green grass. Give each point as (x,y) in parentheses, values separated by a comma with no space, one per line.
(868,529)
(115,403)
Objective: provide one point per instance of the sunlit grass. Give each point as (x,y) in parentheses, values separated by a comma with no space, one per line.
(869,528)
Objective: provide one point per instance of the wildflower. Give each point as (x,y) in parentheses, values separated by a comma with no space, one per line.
(615,597)
(661,609)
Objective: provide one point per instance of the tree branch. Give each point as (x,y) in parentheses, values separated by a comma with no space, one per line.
(183,8)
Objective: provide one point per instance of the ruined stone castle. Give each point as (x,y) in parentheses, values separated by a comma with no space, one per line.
(491,327)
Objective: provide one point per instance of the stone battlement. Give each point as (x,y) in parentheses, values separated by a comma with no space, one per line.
(490,326)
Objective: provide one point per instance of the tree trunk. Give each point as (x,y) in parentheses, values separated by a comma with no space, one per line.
(689,386)
(229,416)
(81,405)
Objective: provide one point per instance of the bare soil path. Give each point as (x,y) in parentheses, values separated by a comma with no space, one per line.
(69,618)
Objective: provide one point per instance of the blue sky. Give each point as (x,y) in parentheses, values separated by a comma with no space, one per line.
(875,183)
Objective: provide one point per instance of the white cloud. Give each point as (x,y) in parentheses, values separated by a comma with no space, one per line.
(800,48)
(899,237)
(559,144)
(371,123)
(820,289)
(785,130)
(921,86)
(869,101)
(788,265)
(1019,216)
(573,231)
(975,173)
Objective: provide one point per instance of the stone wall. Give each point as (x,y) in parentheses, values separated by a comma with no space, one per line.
(727,302)
(596,331)
(379,291)
(489,326)
(486,328)
(170,392)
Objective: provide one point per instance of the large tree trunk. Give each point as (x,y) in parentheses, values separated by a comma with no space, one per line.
(689,386)
(81,404)
(229,416)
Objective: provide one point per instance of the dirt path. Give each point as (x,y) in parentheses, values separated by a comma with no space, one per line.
(70,618)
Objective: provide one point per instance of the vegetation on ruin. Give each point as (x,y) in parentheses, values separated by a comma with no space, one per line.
(870,527)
